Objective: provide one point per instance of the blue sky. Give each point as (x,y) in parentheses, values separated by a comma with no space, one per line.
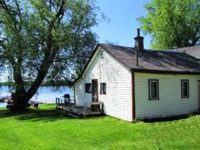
(122,25)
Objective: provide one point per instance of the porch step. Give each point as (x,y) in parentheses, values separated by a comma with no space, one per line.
(73,115)
(80,112)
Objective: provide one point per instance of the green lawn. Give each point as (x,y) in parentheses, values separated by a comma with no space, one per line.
(46,129)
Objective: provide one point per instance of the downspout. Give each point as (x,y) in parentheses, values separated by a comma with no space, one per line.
(133,96)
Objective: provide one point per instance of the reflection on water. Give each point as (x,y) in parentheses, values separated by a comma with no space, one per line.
(2,104)
(44,94)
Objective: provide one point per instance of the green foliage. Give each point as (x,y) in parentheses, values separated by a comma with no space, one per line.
(49,129)
(172,23)
(49,39)
(44,83)
(31,28)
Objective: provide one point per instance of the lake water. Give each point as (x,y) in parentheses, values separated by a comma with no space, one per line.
(44,94)
(2,104)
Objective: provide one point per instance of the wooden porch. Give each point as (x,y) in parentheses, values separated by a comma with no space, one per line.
(68,105)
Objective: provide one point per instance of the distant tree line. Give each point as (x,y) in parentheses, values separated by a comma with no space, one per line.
(44,83)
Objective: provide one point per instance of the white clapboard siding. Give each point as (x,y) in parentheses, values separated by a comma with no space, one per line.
(117,101)
(78,92)
(170,101)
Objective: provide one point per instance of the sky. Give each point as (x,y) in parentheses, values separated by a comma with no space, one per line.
(121,24)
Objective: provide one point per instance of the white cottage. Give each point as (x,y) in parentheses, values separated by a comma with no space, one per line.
(134,83)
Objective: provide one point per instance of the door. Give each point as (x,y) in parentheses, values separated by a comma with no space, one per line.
(94,90)
(199,93)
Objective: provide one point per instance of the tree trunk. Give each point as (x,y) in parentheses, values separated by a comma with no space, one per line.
(20,103)
(21,96)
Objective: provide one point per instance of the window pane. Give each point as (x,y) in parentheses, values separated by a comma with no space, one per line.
(102,88)
(88,88)
(185,89)
(153,90)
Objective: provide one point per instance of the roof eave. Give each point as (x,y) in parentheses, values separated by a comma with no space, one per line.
(163,71)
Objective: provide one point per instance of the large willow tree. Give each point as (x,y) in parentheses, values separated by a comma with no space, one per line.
(172,23)
(44,39)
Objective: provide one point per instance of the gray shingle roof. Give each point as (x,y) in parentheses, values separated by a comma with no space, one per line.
(154,61)
(171,61)
(193,51)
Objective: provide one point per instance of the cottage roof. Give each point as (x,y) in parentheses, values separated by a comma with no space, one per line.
(171,61)
(154,61)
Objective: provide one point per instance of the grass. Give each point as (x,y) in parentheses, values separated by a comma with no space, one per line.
(47,129)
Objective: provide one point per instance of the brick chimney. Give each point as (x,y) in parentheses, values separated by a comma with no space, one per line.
(139,41)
